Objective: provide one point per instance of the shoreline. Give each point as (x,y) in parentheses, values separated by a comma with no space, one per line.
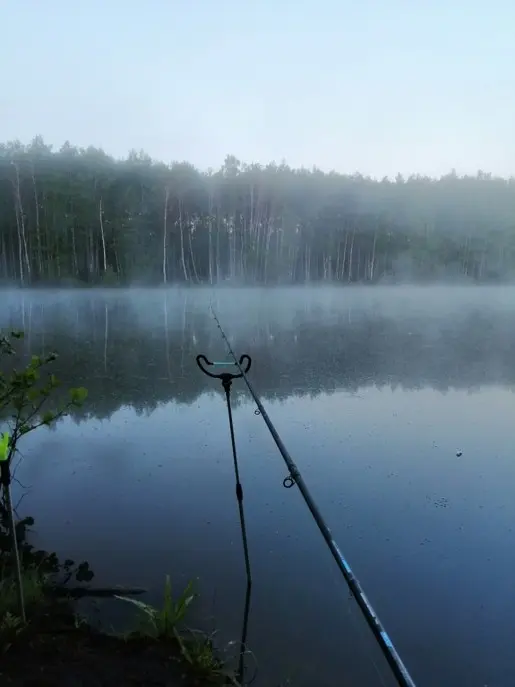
(56,647)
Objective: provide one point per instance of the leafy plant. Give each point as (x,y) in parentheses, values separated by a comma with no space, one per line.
(25,394)
(11,623)
(198,650)
(33,588)
(163,622)
(42,575)
(47,564)
(11,626)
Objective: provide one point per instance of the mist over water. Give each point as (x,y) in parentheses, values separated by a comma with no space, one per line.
(374,392)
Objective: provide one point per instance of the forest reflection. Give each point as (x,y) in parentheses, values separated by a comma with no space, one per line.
(130,352)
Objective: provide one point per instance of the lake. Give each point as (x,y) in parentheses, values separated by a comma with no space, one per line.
(397,405)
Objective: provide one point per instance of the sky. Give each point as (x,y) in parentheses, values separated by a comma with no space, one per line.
(378,87)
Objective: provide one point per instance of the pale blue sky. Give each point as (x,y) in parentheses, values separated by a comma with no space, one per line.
(376,86)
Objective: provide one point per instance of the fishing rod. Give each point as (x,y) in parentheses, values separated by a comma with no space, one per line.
(386,645)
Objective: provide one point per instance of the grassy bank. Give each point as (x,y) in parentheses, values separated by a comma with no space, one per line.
(57,647)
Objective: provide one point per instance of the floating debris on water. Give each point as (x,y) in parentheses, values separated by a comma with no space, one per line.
(459,454)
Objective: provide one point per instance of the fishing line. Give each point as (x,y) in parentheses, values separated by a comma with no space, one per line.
(295,478)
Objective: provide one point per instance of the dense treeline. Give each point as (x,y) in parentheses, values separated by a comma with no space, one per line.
(79,215)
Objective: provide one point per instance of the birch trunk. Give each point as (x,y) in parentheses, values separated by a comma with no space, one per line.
(181,230)
(38,231)
(20,220)
(350,257)
(165,233)
(190,230)
(100,215)
(373,260)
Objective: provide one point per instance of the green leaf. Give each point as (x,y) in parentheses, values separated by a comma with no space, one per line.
(33,394)
(145,608)
(4,446)
(48,417)
(30,376)
(78,395)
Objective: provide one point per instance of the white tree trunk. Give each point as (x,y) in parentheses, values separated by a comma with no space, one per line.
(349,276)
(373,260)
(165,234)
(210,238)
(101,218)
(38,232)
(190,231)
(20,220)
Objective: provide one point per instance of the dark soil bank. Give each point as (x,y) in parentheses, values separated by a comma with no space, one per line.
(55,652)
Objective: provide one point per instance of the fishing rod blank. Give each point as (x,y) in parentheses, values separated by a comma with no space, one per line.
(387,647)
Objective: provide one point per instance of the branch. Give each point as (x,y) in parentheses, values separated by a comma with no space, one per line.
(57,416)
(15,508)
(79,592)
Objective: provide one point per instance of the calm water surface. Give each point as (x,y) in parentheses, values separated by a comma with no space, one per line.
(374,391)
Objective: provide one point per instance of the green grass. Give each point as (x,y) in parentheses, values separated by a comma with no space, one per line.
(165,624)
(162,626)
(11,624)
(33,586)
(162,623)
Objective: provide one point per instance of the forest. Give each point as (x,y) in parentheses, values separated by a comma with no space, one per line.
(77,216)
